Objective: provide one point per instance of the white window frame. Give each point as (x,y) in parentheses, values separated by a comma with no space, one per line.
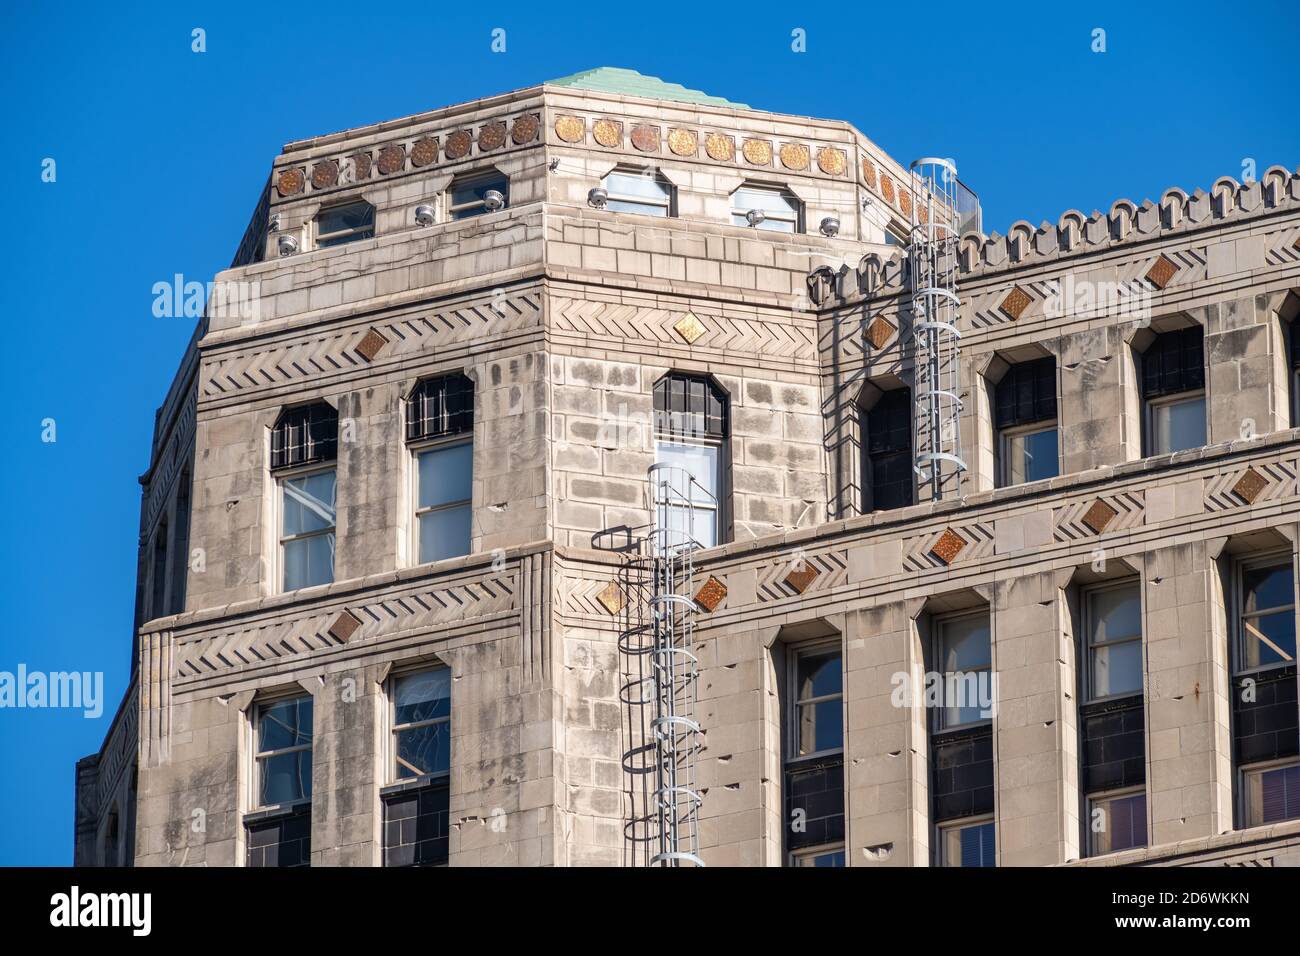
(255,778)
(1244,776)
(1090,802)
(719,445)
(965,823)
(1153,405)
(391,750)
(936,642)
(341,237)
(793,656)
(289,474)
(417,448)
(470,179)
(796,218)
(1270,559)
(668,204)
(1089,645)
(1012,432)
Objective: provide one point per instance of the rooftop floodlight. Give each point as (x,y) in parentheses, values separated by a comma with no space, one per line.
(598,197)
(424,215)
(287,245)
(830,226)
(755,217)
(493,200)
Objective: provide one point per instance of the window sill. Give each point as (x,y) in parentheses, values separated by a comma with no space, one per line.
(414,783)
(267,814)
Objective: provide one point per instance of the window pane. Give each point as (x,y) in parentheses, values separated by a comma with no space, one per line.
(1032,456)
(422,696)
(309,561)
(1268,587)
(1268,639)
(821,727)
(1117,823)
(445,533)
(971,845)
(355,216)
(965,644)
(698,461)
(818,675)
(1273,795)
(423,750)
(1179,425)
(1117,669)
(446,475)
(643,208)
(630,184)
(1115,614)
(830,858)
(770,201)
(285,777)
(309,503)
(284,724)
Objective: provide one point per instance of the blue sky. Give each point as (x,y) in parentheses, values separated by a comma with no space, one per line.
(160,153)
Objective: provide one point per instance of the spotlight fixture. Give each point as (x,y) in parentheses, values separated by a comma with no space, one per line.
(755,217)
(598,197)
(274,224)
(424,215)
(830,226)
(287,245)
(493,200)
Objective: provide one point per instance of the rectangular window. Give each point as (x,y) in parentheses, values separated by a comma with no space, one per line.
(889,451)
(443,500)
(1266,615)
(340,224)
(307,524)
(1272,794)
(818,703)
(283,732)
(965,660)
(823,856)
(968,843)
(1029,454)
(421,724)
(1116,822)
(1176,424)
(1025,416)
(780,210)
(638,192)
(1173,385)
(1113,624)
(469,195)
(699,461)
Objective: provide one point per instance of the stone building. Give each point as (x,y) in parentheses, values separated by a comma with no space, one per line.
(379,616)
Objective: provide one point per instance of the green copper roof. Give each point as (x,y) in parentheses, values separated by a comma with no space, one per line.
(613,79)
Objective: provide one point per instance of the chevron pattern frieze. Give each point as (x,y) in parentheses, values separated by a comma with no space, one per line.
(831,567)
(1069,523)
(977,544)
(1222,493)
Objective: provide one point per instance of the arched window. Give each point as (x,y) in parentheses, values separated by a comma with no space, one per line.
(691,430)
(304,446)
(440,434)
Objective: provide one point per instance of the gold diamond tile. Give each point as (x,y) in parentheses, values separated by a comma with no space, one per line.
(710,595)
(879,332)
(1099,516)
(1014,305)
(371,345)
(344,626)
(802,575)
(1249,485)
(1161,271)
(689,328)
(948,546)
(611,598)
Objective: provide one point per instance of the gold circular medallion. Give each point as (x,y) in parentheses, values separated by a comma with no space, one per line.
(869,173)
(794,156)
(831,161)
(458,144)
(524,129)
(645,138)
(719,147)
(887,188)
(324,174)
(492,136)
(683,142)
(360,166)
(290,182)
(607,132)
(424,152)
(391,159)
(757,152)
(569,128)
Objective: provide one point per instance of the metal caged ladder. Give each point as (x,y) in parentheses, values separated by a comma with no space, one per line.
(932,268)
(662,677)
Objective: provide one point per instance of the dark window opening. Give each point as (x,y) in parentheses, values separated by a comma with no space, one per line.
(305,435)
(337,225)
(888,444)
(440,407)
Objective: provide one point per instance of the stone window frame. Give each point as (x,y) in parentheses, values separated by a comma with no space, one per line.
(988,463)
(345,236)
(647,171)
(254,713)
(388,751)
(1147,406)
(1087,646)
